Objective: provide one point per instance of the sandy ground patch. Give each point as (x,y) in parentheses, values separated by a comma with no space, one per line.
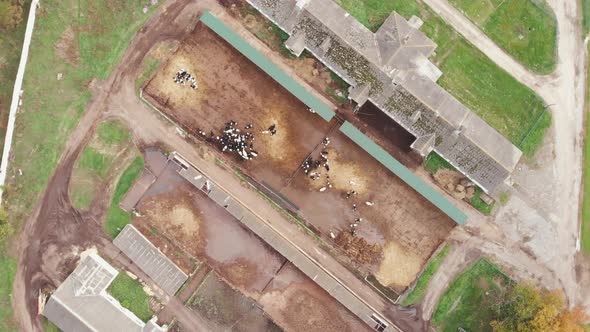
(399,267)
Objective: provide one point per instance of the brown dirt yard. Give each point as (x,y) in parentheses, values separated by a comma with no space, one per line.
(233,88)
(402,222)
(407,226)
(208,232)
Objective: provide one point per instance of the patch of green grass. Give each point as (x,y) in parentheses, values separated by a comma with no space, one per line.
(7,273)
(417,293)
(480,205)
(471,77)
(586,16)
(434,162)
(116,218)
(372,13)
(504,198)
(468,301)
(526,29)
(130,294)
(113,132)
(477,11)
(92,160)
(82,196)
(148,68)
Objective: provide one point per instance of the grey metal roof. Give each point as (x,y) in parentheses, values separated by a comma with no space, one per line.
(391,69)
(81,302)
(150,259)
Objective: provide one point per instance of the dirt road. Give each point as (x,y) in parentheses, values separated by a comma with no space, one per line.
(541,219)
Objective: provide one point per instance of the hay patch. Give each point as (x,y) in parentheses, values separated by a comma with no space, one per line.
(399,266)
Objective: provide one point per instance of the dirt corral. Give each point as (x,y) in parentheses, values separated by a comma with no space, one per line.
(392,214)
(230,87)
(400,228)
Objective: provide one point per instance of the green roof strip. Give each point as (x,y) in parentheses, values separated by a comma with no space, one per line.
(403,173)
(265,64)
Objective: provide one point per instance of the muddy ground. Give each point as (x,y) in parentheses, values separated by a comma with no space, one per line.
(299,304)
(405,226)
(207,232)
(174,214)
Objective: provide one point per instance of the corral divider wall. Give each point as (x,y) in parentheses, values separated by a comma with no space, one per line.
(403,172)
(267,66)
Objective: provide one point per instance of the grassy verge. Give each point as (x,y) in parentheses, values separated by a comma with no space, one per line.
(113,132)
(7,273)
(417,293)
(526,29)
(116,218)
(11,42)
(52,108)
(130,294)
(434,162)
(468,301)
(586,16)
(585,236)
(492,93)
(98,161)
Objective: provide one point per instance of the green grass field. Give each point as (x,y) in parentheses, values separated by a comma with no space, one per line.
(113,132)
(585,236)
(116,218)
(52,108)
(417,293)
(586,16)
(526,29)
(130,294)
(504,103)
(11,42)
(99,162)
(92,160)
(467,303)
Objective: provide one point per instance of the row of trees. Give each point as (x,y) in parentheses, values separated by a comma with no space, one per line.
(528,309)
(11,13)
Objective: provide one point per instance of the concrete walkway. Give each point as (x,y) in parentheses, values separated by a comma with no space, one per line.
(16,93)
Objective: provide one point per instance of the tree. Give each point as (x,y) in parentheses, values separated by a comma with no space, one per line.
(527,309)
(11,13)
